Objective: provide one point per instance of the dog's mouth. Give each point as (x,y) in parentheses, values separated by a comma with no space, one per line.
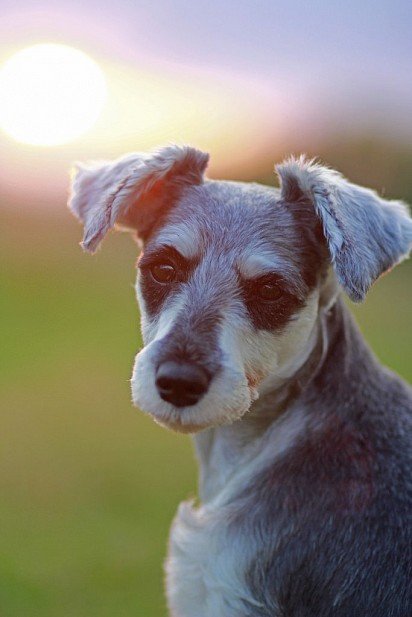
(180,419)
(187,399)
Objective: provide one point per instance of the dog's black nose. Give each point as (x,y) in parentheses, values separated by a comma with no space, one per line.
(181,384)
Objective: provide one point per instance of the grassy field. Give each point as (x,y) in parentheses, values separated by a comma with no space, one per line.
(88,483)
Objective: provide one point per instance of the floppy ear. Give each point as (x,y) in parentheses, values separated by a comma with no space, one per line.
(366,234)
(133,191)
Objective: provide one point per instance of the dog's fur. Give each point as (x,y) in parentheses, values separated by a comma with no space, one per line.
(303,439)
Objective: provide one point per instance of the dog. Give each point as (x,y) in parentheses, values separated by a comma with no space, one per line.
(303,438)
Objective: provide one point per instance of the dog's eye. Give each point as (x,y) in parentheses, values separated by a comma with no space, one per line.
(163,272)
(269,291)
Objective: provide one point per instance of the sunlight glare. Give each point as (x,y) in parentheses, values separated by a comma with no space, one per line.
(50,94)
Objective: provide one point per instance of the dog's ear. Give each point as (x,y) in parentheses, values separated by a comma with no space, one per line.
(366,234)
(134,191)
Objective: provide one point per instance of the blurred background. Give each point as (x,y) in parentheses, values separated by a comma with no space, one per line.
(88,484)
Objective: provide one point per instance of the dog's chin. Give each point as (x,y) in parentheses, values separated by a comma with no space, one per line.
(188,420)
(229,397)
(179,427)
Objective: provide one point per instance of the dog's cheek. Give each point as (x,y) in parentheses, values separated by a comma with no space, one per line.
(147,325)
(265,353)
(144,394)
(297,340)
(244,355)
(148,328)
(258,350)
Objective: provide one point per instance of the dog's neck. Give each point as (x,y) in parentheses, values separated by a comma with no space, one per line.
(280,410)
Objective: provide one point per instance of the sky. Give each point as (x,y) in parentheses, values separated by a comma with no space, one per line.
(229,76)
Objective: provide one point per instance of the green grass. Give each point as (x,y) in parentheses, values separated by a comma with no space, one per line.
(88,483)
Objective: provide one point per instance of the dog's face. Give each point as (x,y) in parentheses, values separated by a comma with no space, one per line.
(231,274)
(228,290)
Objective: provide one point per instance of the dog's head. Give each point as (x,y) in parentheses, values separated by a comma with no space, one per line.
(232,275)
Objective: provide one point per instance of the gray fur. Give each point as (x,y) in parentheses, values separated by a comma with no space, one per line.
(111,192)
(366,234)
(263,226)
(307,491)
(340,498)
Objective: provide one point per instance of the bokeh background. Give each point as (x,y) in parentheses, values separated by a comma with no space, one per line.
(89,484)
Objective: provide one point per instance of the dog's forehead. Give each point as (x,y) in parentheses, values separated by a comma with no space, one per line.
(229,217)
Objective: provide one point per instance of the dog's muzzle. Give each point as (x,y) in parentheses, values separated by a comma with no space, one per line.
(180,383)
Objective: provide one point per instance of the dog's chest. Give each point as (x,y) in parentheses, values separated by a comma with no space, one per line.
(205,569)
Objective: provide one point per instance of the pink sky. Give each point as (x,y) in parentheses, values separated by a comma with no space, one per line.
(248,75)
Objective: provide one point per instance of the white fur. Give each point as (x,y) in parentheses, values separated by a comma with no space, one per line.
(205,569)
(227,399)
(157,328)
(252,264)
(204,572)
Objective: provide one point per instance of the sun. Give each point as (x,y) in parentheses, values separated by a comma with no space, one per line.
(50,94)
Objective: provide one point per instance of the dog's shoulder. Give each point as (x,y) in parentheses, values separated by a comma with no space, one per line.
(331,518)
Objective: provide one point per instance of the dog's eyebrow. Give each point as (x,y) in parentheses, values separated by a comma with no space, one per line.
(185,239)
(157,252)
(252,266)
